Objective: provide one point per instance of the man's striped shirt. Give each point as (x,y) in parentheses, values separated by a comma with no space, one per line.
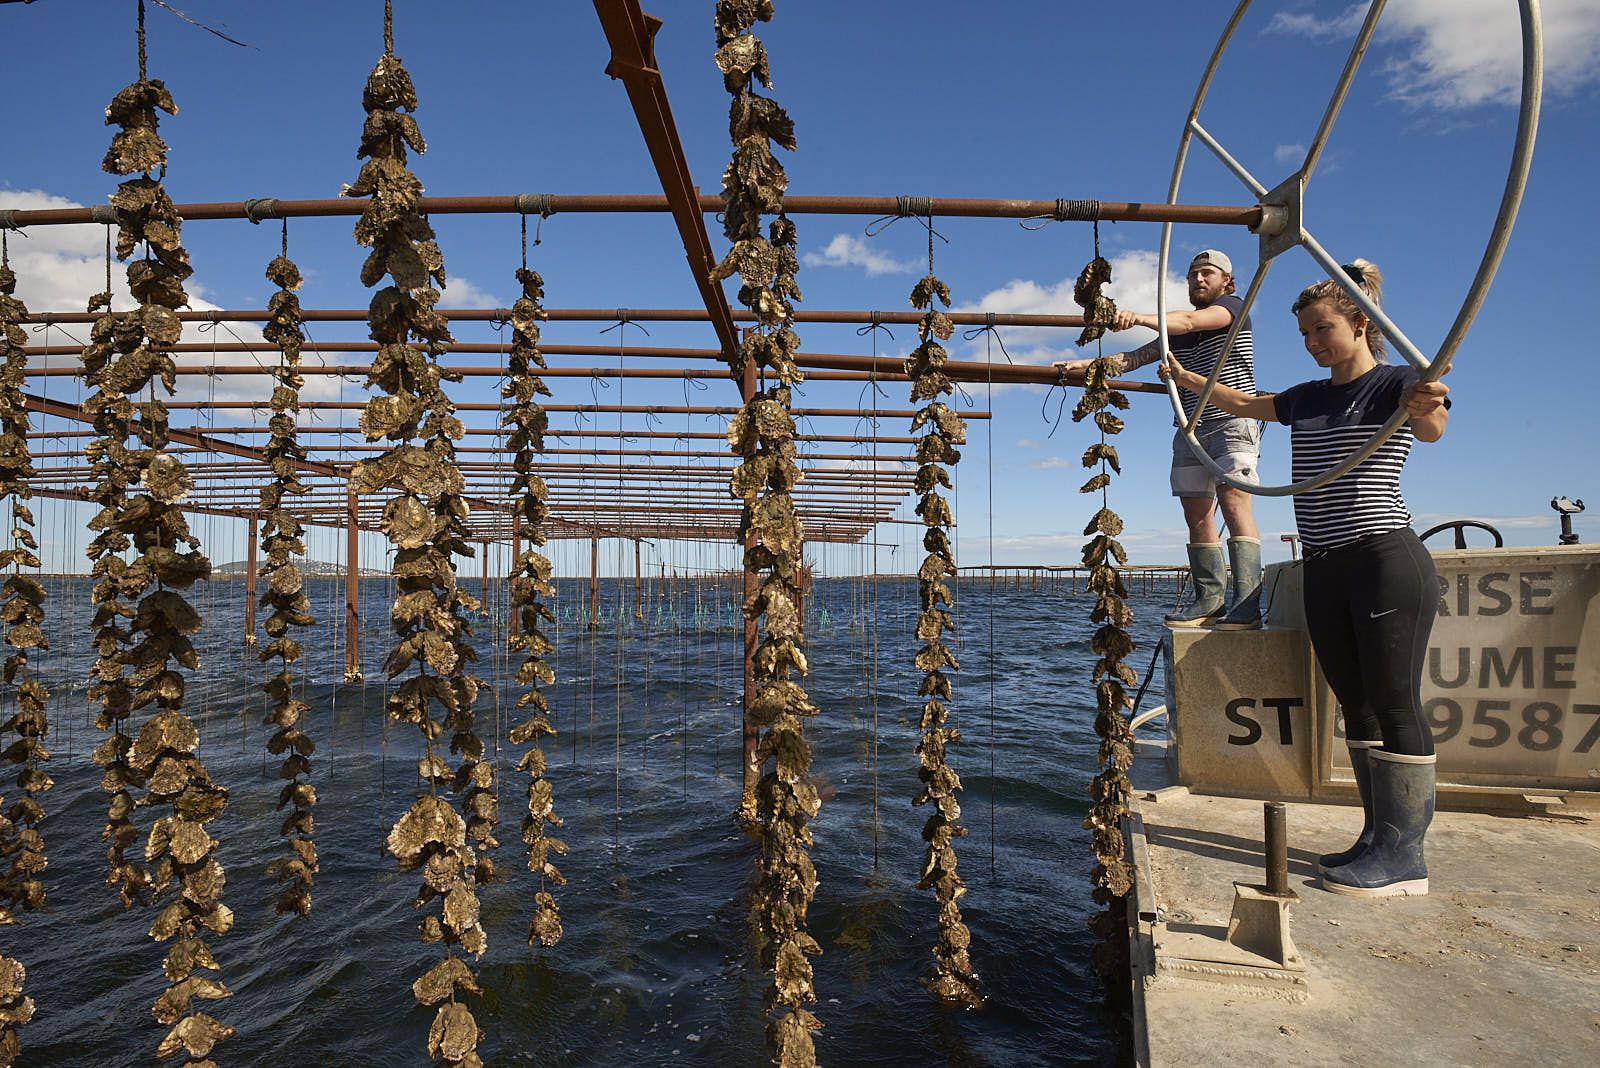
(1199,350)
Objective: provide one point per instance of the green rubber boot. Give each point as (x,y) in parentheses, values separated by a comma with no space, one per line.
(1402,807)
(1207,567)
(1361,767)
(1245,555)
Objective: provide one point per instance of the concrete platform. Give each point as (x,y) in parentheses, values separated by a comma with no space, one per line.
(1498,965)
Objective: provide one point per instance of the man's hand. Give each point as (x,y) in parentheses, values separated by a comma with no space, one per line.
(1186,379)
(1072,367)
(1127,320)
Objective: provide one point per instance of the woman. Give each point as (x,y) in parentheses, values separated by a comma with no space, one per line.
(1370,587)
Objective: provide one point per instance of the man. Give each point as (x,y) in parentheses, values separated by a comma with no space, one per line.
(1197,338)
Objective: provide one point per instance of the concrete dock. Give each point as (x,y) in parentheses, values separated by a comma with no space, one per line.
(1498,965)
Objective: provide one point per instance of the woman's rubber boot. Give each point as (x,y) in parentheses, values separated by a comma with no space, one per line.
(1206,566)
(1360,766)
(1402,808)
(1245,556)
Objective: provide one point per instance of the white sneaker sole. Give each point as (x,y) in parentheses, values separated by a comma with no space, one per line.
(1203,621)
(1406,888)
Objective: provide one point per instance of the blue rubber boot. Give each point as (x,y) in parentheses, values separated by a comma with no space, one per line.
(1402,807)
(1207,568)
(1363,772)
(1244,555)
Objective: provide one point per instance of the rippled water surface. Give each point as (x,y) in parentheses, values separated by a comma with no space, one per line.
(654,968)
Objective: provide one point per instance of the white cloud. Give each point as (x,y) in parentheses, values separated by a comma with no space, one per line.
(1145,545)
(1305,24)
(1284,155)
(1464,53)
(458,292)
(1027,443)
(1469,52)
(1052,463)
(1537,521)
(58,267)
(1132,285)
(848,250)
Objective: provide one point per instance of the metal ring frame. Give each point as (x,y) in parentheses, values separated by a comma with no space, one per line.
(1281,209)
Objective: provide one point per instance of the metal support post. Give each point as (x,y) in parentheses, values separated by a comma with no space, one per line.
(516,562)
(752,733)
(594,582)
(352,587)
(250,555)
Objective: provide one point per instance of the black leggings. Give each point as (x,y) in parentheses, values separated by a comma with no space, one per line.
(1369,609)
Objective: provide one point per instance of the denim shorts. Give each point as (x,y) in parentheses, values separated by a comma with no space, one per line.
(1235,444)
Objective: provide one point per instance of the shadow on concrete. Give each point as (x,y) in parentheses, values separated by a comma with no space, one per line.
(1229,848)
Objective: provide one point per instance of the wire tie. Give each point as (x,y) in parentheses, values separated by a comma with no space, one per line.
(541,204)
(258,208)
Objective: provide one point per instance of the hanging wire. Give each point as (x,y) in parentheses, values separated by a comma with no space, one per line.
(872,383)
(989,481)
(989,330)
(1044,408)
(196,22)
(616,762)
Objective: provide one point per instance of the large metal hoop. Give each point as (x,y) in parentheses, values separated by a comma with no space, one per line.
(1282,228)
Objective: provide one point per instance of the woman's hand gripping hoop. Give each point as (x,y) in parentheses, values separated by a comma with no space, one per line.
(1281,228)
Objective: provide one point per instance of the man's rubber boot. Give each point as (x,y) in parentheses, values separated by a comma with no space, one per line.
(1245,555)
(1359,757)
(1402,808)
(1206,566)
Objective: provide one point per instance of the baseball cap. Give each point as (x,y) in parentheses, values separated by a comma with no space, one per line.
(1210,257)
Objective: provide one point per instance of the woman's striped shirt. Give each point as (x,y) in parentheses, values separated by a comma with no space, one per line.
(1328,423)
(1199,350)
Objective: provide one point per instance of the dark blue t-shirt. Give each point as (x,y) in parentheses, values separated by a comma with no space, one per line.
(1327,424)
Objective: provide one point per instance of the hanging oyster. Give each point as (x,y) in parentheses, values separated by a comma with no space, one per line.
(779,802)
(952,978)
(22,614)
(1099,312)
(1102,554)
(283,539)
(426,521)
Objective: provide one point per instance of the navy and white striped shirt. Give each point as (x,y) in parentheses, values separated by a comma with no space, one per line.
(1330,422)
(1199,350)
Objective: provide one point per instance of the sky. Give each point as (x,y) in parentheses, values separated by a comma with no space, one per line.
(1008,99)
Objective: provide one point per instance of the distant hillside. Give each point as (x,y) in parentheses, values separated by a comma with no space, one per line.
(317,568)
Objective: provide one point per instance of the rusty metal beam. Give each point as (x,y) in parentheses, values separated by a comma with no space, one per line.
(631,34)
(570,432)
(601,315)
(849,368)
(591,409)
(60,410)
(1248,215)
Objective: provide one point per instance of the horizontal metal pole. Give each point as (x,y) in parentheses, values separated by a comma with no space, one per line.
(593,409)
(885,368)
(627,203)
(597,315)
(477,431)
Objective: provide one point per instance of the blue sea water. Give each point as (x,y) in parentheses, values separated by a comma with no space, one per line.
(655,967)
